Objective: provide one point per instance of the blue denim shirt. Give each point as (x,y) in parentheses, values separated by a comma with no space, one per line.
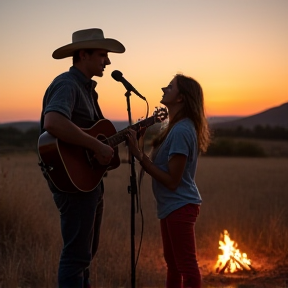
(73,95)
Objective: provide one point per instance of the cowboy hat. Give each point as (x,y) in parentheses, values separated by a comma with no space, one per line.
(88,39)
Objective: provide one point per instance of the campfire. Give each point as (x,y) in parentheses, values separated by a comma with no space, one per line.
(231,260)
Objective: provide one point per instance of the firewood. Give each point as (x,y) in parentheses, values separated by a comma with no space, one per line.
(243,265)
(224,268)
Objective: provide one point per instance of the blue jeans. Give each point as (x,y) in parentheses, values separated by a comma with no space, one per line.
(81,215)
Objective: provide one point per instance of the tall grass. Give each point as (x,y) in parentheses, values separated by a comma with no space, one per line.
(246,196)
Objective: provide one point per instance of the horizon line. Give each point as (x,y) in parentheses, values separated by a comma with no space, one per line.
(118,120)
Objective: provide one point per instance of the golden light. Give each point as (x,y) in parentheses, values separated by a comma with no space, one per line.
(231,260)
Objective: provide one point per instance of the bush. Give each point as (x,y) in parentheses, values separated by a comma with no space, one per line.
(12,137)
(258,132)
(230,147)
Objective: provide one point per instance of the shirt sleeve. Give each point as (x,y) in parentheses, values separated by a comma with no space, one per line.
(62,98)
(181,141)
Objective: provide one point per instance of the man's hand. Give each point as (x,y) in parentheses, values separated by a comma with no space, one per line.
(62,128)
(104,154)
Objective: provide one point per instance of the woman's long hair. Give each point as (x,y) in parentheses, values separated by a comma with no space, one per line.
(193,108)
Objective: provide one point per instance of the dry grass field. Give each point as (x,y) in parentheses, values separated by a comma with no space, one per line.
(246,196)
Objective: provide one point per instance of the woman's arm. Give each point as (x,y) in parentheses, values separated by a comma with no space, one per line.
(170,179)
(176,165)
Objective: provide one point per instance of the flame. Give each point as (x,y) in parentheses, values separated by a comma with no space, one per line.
(231,260)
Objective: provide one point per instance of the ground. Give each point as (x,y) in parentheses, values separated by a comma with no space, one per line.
(268,273)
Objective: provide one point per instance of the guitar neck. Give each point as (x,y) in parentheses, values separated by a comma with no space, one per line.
(120,137)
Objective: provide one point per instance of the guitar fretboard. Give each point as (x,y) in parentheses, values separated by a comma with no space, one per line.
(120,137)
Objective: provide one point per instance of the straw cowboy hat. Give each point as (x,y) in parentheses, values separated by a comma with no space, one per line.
(88,39)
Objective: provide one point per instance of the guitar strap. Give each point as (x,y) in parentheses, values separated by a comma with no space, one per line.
(98,111)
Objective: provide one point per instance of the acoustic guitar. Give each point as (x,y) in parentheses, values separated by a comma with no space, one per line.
(73,168)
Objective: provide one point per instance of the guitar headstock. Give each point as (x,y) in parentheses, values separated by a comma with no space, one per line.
(160,114)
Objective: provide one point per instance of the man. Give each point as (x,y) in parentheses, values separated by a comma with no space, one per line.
(70,102)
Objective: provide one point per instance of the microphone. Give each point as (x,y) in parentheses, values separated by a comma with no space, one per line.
(117,75)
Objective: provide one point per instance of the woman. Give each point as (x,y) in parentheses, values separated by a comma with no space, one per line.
(173,168)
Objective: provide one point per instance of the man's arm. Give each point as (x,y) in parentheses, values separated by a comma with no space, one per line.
(62,128)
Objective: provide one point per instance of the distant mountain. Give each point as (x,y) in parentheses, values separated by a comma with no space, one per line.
(119,125)
(276,116)
(27,125)
(22,126)
(219,119)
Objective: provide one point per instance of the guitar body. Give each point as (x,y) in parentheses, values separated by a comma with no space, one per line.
(73,168)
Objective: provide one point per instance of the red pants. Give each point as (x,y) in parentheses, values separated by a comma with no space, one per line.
(178,236)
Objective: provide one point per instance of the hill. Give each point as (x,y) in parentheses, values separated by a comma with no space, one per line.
(21,126)
(220,119)
(273,117)
(27,125)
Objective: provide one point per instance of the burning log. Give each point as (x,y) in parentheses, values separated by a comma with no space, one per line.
(225,267)
(244,266)
(231,258)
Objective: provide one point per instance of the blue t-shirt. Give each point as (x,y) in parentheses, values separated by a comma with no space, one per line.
(181,139)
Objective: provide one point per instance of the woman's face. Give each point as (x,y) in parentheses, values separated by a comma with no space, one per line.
(171,94)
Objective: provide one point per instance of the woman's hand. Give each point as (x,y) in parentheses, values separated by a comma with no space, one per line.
(133,144)
(176,165)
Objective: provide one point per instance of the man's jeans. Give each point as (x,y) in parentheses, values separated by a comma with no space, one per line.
(81,215)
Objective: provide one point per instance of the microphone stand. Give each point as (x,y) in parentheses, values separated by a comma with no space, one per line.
(132,189)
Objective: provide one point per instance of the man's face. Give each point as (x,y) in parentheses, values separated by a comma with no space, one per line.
(96,62)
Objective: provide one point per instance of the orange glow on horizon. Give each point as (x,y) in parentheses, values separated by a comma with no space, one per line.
(24,102)
(238,55)
(138,109)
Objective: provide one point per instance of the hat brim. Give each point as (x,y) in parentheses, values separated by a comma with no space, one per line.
(110,45)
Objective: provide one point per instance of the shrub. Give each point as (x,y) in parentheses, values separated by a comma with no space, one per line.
(230,147)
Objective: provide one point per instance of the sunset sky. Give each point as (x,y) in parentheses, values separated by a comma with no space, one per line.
(236,49)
